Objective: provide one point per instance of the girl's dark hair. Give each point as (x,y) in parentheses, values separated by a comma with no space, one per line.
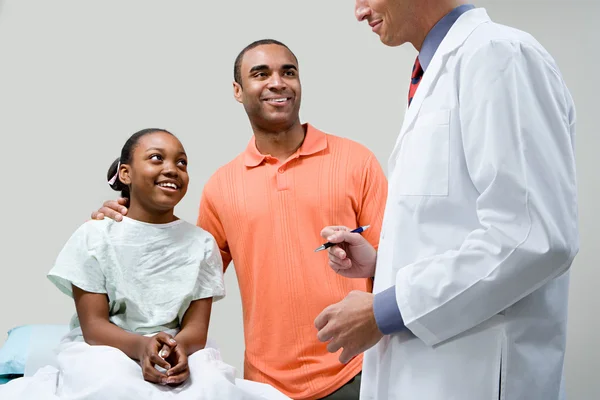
(126,155)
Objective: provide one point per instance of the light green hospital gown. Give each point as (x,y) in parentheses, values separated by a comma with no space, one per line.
(150,272)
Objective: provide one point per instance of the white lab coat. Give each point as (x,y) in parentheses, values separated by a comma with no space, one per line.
(480,225)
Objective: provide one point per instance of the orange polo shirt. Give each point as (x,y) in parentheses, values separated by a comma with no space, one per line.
(267,216)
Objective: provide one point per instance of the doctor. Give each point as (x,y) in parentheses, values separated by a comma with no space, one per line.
(480,226)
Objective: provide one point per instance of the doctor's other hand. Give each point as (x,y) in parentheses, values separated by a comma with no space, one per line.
(349,324)
(113,209)
(352,256)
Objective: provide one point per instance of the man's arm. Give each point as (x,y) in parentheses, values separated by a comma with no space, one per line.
(516,129)
(208,219)
(373,195)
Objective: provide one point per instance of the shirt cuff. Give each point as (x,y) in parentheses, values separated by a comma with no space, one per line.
(387,314)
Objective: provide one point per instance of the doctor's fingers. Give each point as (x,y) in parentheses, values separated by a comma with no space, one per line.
(330,230)
(339,261)
(346,238)
(325,334)
(334,345)
(347,355)
(323,319)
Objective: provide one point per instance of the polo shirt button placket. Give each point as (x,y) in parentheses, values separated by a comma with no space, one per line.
(281,179)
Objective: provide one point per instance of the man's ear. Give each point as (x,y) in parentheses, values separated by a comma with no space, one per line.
(124,176)
(237,92)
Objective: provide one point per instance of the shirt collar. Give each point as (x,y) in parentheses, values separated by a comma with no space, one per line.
(438,33)
(314,141)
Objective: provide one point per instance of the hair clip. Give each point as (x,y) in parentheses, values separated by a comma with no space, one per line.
(114,178)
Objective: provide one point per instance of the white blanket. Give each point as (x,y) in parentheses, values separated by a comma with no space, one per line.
(100,372)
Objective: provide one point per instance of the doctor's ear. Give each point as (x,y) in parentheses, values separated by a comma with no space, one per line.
(237,92)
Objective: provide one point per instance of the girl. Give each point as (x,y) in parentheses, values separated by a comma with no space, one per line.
(143,290)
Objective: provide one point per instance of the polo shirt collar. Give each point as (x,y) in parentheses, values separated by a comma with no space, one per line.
(314,142)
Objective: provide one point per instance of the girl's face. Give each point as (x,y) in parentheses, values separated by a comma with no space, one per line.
(157,175)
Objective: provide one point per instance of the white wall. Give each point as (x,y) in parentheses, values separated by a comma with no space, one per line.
(78,77)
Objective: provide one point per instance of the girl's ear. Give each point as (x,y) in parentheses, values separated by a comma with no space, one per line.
(124,175)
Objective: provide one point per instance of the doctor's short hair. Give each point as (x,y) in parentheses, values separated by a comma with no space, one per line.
(125,158)
(237,65)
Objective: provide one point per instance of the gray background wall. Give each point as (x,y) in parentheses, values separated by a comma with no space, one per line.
(78,77)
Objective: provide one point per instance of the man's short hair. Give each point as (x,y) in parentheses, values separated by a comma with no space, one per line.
(237,66)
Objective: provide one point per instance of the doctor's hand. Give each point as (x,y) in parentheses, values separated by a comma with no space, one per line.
(349,324)
(113,209)
(352,256)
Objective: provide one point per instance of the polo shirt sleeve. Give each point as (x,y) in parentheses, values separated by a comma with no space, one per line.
(373,195)
(208,219)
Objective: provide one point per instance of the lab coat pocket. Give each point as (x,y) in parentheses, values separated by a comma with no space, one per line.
(423,160)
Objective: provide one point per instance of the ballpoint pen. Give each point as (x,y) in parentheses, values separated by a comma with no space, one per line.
(329,244)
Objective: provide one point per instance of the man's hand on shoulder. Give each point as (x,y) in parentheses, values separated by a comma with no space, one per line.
(113,209)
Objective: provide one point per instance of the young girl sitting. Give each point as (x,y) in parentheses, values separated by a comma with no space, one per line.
(143,290)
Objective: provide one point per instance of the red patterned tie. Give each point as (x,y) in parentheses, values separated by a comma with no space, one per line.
(417,74)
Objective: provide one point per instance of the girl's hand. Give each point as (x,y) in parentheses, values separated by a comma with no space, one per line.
(149,357)
(177,357)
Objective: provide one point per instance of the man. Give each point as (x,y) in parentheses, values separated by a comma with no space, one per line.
(266,209)
(480,230)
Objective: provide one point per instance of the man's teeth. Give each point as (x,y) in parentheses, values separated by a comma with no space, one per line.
(168,184)
(278,100)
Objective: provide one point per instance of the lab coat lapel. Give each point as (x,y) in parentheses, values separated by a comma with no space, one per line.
(459,32)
